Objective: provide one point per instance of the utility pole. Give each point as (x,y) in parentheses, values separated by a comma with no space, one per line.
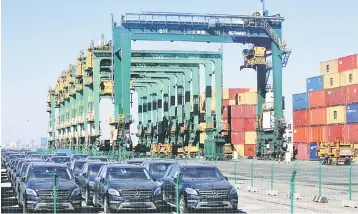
(263,5)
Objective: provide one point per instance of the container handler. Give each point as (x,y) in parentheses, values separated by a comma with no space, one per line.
(336,153)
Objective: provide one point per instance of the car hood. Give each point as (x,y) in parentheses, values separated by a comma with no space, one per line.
(206,184)
(133,185)
(48,184)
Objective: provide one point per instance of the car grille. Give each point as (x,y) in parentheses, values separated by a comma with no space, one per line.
(214,193)
(136,193)
(48,194)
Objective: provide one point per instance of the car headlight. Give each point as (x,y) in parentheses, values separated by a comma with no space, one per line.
(191,191)
(113,192)
(31,192)
(91,183)
(158,191)
(76,191)
(233,191)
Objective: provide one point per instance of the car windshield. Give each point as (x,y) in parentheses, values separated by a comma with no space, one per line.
(94,169)
(159,168)
(47,172)
(209,173)
(78,166)
(127,173)
(61,159)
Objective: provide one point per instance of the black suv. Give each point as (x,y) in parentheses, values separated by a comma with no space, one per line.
(61,159)
(157,167)
(134,161)
(86,179)
(76,167)
(126,187)
(201,186)
(78,156)
(36,188)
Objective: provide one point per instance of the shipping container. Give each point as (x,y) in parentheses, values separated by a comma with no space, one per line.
(317,116)
(202,137)
(317,99)
(226,93)
(225,114)
(242,111)
(225,102)
(336,96)
(240,149)
(242,124)
(300,134)
(232,102)
(238,137)
(247,98)
(250,150)
(313,152)
(329,67)
(250,137)
(302,151)
(318,134)
(234,91)
(347,63)
(314,83)
(352,113)
(253,90)
(336,115)
(352,94)
(202,126)
(300,101)
(335,133)
(332,80)
(300,118)
(349,77)
(351,133)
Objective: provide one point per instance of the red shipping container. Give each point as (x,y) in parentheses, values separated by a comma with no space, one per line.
(317,99)
(225,102)
(300,118)
(347,63)
(335,133)
(250,124)
(318,134)
(303,151)
(249,150)
(243,111)
(300,134)
(237,137)
(336,96)
(351,133)
(317,116)
(234,91)
(242,124)
(225,114)
(352,94)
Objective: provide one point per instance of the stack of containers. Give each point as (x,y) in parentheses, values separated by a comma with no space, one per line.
(242,120)
(331,107)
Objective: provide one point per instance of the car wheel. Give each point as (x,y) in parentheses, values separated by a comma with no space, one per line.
(106,208)
(87,200)
(182,205)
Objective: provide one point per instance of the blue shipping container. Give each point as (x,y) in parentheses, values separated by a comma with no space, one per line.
(352,113)
(314,83)
(313,152)
(300,101)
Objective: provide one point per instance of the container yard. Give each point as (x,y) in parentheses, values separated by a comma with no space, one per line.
(180,112)
(325,116)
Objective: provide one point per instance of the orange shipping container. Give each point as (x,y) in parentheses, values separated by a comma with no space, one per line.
(317,116)
(317,99)
(300,134)
(318,134)
(250,150)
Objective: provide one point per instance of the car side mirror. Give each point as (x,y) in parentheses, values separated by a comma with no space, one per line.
(102,180)
(84,174)
(226,178)
(175,179)
(23,179)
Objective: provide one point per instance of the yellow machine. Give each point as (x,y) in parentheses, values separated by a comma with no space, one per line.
(336,153)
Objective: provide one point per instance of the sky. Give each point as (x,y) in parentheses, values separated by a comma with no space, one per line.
(40,38)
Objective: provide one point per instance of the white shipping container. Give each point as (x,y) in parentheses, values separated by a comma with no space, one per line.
(106,109)
(268,120)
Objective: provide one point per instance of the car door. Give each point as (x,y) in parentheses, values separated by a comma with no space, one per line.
(82,179)
(96,183)
(101,184)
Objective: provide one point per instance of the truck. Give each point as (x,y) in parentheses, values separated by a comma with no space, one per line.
(336,153)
